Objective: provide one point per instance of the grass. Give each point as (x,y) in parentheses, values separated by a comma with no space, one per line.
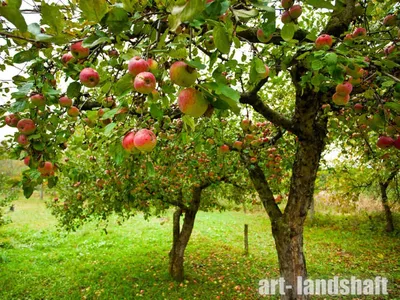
(39,261)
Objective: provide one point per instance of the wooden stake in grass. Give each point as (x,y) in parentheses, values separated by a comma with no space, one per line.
(246,239)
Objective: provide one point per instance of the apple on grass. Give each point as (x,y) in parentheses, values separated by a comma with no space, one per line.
(192,102)
(11,120)
(224,149)
(89,77)
(182,74)
(78,51)
(238,145)
(144,82)
(26,126)
(137,65)
(145,140)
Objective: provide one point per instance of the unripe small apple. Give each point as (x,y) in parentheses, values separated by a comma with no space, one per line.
(113,53)
(359,32)
(38,100)
(153,65)
(358,107)
(238,145)
(295,11)
(144,82)
(65,101)
(73,111)
(340,100)
(262,37)
(384,142)
(253,159)
(182,74)
(209,43)
(26,126)
(286,4)
(89,77)
(27,160)
(265,74)
(389,20)
(11,120)
(137,65)
(323,41)
(344,89)
(145,140)
(79,51)
(348,38)
(210,141)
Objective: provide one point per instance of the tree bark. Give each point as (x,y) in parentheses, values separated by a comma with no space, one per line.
(385,204)
(182,235)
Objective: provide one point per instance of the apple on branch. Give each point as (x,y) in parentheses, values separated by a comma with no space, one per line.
(144,82)
(192,102)
(145,140)
(182,74)
(78,51)
(89,77)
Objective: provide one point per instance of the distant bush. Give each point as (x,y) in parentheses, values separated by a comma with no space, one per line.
(8,193)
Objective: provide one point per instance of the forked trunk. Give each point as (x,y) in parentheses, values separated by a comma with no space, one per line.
(181,236)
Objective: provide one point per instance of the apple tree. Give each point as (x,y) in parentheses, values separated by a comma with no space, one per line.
(215,57)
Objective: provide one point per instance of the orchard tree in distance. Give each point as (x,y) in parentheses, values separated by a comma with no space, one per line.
(319,50)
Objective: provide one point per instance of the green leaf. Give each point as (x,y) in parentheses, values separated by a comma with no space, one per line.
(117,20)
(110,114)
(257,67)
(186,12)
(74,89)
(52,16)
(156,112)
(93,10)
(221,39)
(12,14)
(24,56)
(189,121)
(196,64)
(317,64)
(321,4)
(245,14)
(123,84)
(19,106)
(150,169)
(331,59)
(52,181)
(28,191)
(288,31)
(229,92)
(95,40)
(109,129)
(232,104)
(395,106)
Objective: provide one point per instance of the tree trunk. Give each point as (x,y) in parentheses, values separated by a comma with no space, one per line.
(181,236)
(386,207)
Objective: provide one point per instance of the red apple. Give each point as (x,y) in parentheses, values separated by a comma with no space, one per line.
(128,141)
(323,41)
(295,11)
(22,139)
(358,107)
(390,20)
(144,82)
(340,100)
(26,126)
(27,160)
(153,65)
(389,49)
(238,145)
(38,100)
(182,74)
(89,77)
(359,32)
(262,37)
(79,51)
(384,142)
(137,65)
(348,37)
(285,17)
(66,58)
(65,101)
(11,120)
(46,168)
(286,4)
(192,102)
(73,111)
(344,89)
(396,143)
(245,124)
(145,140)
(224,149)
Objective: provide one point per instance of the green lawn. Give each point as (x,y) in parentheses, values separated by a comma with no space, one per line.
(39,261)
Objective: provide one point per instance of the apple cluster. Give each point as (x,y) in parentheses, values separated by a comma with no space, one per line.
(291,13)
(385,142)
(142,141)
(144,80)
(342,95)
